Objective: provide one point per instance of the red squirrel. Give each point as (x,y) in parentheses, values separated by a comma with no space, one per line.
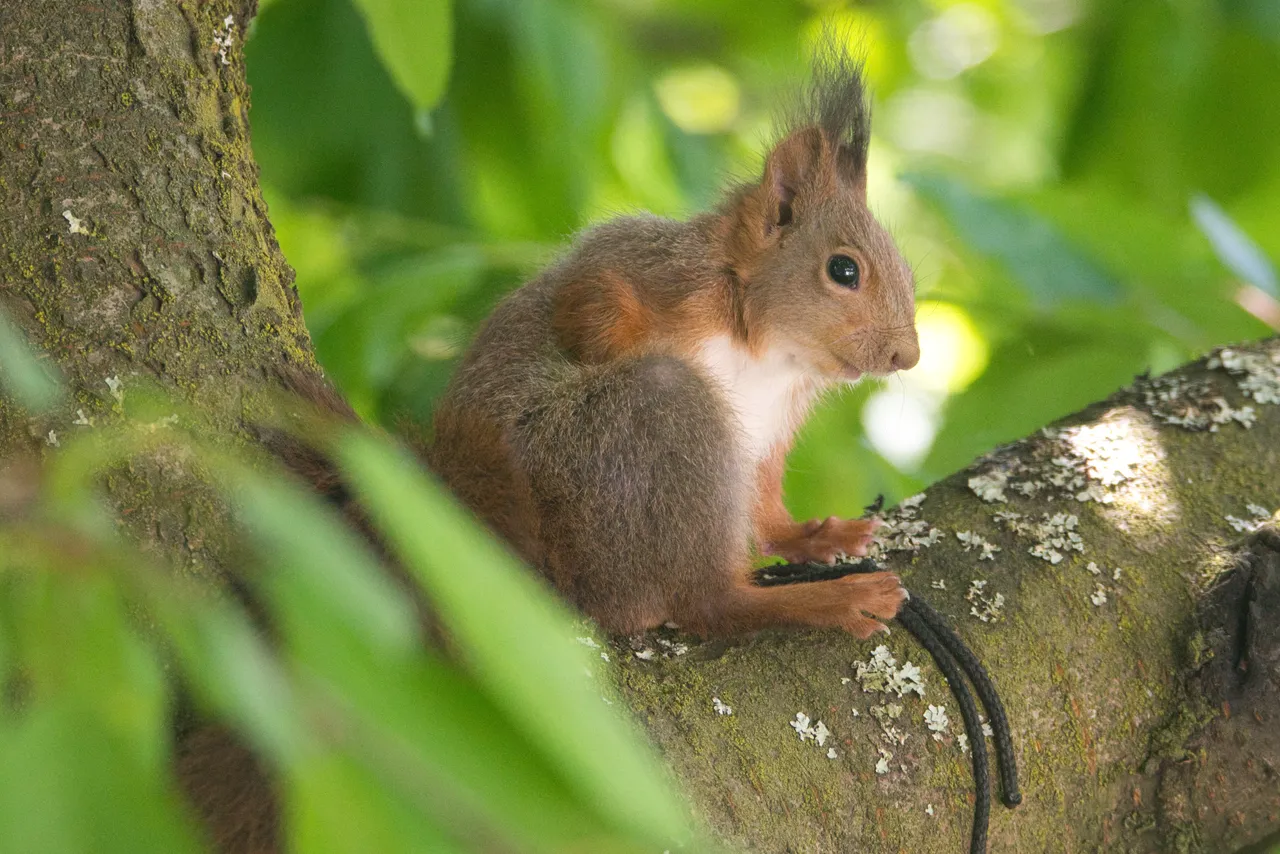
(623,420)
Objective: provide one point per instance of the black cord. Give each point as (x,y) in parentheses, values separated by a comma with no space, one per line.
(915,624)
(1007,762)
(951,655)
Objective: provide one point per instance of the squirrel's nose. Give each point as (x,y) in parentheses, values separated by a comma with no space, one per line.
(905,356)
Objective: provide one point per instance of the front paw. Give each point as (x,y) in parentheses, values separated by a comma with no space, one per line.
(879,594)
(826,540)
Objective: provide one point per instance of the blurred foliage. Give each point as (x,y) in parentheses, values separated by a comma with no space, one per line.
(382,743)
(1037,160)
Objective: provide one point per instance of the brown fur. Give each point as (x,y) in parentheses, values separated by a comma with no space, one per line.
(229,790)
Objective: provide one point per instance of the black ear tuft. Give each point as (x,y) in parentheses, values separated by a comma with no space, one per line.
(836,103)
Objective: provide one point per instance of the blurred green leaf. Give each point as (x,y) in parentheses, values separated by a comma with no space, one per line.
(84,741)
(29,380)
(414,41)
(313,551)
(1033,252)
(516,639)
(419,730)
(1168,268)
(1235,248)
(337,806)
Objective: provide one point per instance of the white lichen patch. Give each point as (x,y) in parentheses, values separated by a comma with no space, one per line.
(52,439)
(588,642)
(645,654)
(986,606)
(962,741)
(1192,404)
(670,649)
(720,707)
(75,225)
(939,584)
(881,673)
(990,486)
(971,541)
(224,38)
(83,420)
(1107,450)
(902,531)
(935,718)
(1099,596)
(1258,516)
(928,810)
(116,387)
(882,765)
(831,753)
(162,423)
(1256,372)
(1054,534)
(810,730)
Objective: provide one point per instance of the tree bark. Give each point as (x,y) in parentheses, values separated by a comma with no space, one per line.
(135,247)
(1148,722)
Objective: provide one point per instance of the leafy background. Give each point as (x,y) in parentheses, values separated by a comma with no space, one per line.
(1088,189)
(1036,159)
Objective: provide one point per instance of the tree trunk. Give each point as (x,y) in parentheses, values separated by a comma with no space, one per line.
(134,246)
(1148,720)
(136,250)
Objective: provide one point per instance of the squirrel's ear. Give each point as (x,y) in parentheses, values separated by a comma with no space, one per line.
(794,165)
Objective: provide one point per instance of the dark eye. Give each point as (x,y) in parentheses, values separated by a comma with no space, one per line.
(843,270)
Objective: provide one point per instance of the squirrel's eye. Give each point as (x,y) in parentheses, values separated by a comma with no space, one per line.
(843,270)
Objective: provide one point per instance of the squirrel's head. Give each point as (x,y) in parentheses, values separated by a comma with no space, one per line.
(817,274)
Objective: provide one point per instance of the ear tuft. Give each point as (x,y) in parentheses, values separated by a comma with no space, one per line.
(836,103)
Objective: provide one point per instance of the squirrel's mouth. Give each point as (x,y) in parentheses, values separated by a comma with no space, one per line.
(847,371)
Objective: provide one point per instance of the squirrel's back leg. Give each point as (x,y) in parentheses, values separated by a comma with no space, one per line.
(643,502)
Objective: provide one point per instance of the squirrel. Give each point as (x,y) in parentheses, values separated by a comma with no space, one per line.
(623,420)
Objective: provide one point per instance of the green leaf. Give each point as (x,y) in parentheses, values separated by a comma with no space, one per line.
(335,805)
(31,383)
(1235,248)
(515,638)
(414,40)
(309,549)
(72,785)
(1031,249)
(84,754)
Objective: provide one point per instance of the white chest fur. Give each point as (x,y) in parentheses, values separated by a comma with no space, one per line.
(769,393)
